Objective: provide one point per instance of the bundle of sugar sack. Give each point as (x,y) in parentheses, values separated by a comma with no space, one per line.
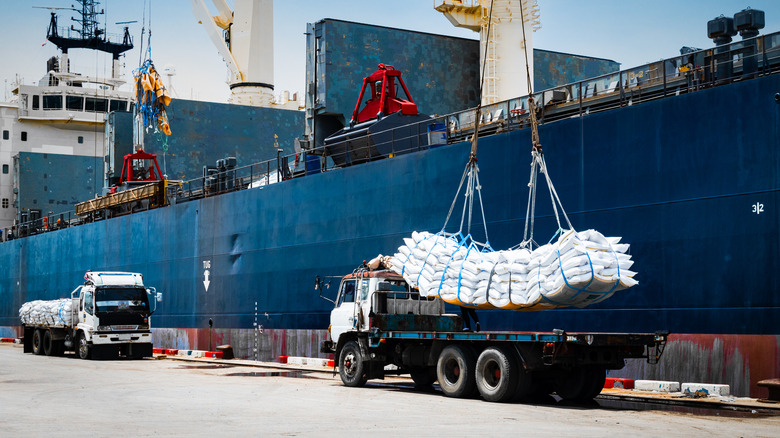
(52,313)
(578,269)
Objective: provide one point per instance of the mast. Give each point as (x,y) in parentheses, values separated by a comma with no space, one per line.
(88,36)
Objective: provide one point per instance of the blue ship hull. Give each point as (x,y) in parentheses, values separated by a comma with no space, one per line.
(692,182)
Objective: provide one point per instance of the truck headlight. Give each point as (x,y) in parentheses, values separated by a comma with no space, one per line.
(104,328)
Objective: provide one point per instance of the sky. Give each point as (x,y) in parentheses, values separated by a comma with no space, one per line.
(627,31)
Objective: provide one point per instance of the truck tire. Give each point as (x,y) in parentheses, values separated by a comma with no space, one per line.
(455,371)
(497,374)
(423,377)
(594,382)
(37,342)
(571,384)
(49,345)
(352,369)
(83,349)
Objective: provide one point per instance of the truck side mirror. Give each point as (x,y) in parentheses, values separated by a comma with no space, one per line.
(321,285)
(159,297)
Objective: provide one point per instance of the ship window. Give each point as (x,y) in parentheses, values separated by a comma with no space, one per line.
(75,103)
(5,202)
(24,135)
(6,134)
(36,102)
(96,105)
(52,102)
(5,168)
(81,139)
(118,105)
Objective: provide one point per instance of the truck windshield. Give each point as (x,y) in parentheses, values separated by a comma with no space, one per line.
(113,299)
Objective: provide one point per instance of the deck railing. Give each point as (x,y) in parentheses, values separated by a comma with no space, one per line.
(686,73)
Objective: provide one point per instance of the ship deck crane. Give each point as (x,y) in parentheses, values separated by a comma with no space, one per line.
(244,38)
(387,124)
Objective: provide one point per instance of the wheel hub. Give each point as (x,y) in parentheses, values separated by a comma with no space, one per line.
(492,374)
(349,363)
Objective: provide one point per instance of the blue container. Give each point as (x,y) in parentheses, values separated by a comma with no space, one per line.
(437,134)
(313,164)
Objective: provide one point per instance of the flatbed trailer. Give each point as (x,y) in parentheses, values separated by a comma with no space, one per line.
(379,321)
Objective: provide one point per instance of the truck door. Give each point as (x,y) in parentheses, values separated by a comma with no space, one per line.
(364,301)
(87,318)
(342,318)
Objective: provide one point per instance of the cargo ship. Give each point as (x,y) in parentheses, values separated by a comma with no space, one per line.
(678,157)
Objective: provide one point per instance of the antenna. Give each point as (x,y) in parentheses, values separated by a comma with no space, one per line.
(52,9)
(89,35)
(170,71)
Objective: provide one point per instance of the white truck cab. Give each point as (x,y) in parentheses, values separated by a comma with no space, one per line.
(113,308)
(365,293)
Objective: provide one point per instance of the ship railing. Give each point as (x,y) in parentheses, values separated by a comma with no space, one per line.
(73,33)
(687,73)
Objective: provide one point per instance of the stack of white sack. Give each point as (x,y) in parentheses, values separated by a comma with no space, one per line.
(53,313)
(578,269)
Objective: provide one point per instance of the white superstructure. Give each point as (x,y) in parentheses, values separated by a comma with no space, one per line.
(65,114)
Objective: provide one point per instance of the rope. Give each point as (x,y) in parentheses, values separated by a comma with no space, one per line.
(478,112)
(554,194)
(455,200)
(537,159)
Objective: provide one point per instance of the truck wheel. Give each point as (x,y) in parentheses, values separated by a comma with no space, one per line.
(351,365)
(497,374)
(423,377)
(49,347)
(82,348)
(570,385)
(37,343)
(594,382)
(455,371)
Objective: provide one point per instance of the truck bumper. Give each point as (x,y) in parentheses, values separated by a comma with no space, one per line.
(327,347)
(121,338)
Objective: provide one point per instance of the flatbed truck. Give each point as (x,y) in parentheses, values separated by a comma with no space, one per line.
(380,325)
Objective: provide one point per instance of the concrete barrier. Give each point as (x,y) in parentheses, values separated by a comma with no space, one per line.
(195,353)
(315,361)
(615,382)
(656,385)
(711,389)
